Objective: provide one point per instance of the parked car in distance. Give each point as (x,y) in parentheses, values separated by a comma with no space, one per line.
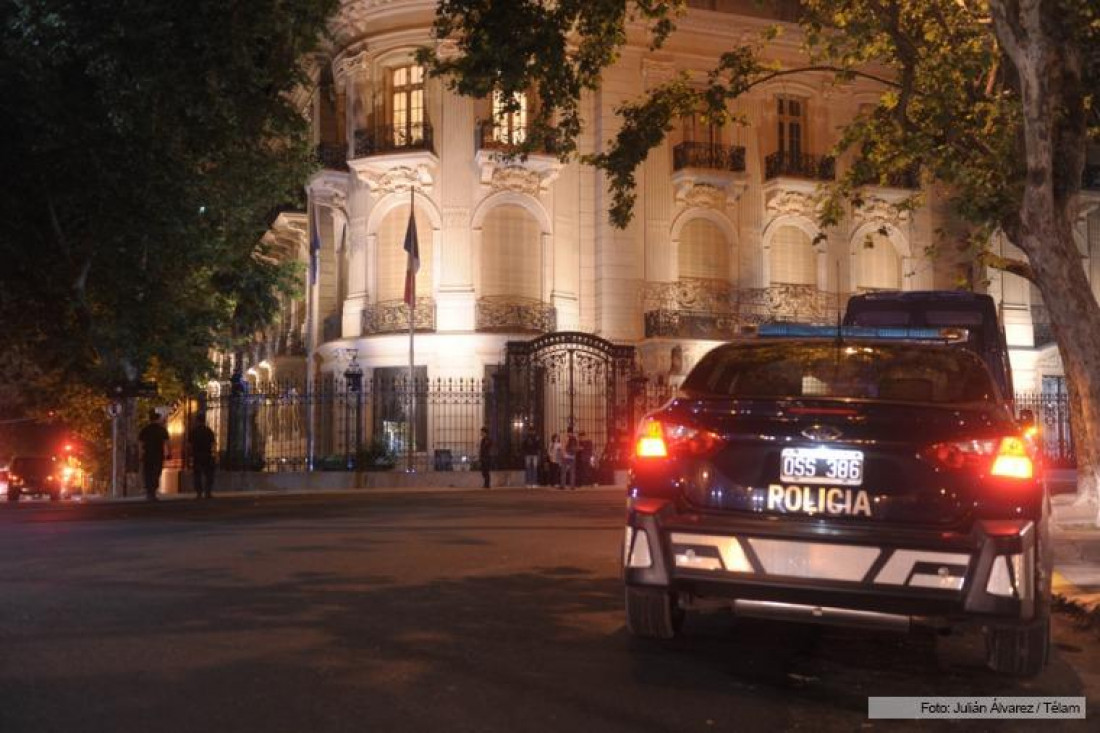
(34,476)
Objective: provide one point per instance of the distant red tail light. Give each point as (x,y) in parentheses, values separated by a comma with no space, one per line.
(657,439)
(1007,457)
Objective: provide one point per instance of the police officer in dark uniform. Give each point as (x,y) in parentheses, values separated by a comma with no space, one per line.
(485,456)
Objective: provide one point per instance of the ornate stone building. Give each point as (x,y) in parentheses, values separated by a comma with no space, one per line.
(724,235)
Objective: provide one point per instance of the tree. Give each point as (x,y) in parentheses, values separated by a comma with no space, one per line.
(994,99)
(144,145)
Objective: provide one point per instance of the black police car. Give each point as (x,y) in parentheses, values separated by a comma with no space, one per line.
(837,476)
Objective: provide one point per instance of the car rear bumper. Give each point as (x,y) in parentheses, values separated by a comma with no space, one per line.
(823,572)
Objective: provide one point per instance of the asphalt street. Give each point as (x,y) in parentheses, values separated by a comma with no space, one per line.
(450,611)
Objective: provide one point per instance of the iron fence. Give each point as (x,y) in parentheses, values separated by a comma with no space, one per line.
(369,429)
(1051,410)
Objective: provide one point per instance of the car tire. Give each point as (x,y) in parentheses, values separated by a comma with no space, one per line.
(13,494)
(1019,651)
(55,496)
(652,613)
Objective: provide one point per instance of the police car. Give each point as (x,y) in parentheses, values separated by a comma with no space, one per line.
(864,477)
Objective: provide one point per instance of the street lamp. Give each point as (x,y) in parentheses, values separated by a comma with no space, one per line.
(353,379)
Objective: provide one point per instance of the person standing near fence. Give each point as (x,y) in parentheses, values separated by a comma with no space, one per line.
(532,446)
(202,440)
(553,458)
(569,461)
(485,456)
(154,450)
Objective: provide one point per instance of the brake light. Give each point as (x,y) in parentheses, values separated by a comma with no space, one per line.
(658,439)
(1007,457)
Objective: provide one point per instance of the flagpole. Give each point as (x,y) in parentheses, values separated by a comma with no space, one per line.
(311,319)
(412,382)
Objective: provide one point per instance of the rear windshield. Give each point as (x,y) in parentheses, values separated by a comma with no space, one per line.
(860,370)
(24,466)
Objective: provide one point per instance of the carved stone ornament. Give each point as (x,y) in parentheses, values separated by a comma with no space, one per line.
(324,193)
(400,179)
(354,19)
(796,203)
(705,196)
(881,213)
(516,178)
(446,48)
(353,61)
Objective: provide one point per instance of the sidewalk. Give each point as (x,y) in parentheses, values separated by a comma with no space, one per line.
(1076,544)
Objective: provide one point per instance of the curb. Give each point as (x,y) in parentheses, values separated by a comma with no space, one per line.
(263,494)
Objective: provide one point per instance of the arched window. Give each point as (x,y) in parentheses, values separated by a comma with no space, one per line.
(510,253)
(704,252)
(792,257)
(879,265)
(393,260)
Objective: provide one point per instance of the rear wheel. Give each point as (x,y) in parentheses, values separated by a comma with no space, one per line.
(652,613)
(55,496)
(13,493)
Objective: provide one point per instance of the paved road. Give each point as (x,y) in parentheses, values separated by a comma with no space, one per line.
(458,611)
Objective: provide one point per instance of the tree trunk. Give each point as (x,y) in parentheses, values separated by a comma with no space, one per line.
(1037,37)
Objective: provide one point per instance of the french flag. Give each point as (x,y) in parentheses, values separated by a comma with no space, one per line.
(413,249)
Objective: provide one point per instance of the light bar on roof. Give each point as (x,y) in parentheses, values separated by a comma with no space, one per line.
(886,333)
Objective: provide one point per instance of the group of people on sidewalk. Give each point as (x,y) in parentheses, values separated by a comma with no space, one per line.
(567,462)
(154,452)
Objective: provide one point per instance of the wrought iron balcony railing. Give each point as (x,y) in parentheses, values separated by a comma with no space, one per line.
(803,165)
(490,136)
(708,155)
(508,314)
(392,316)
(790,303)
(382,139)
(691,324)
(333,156)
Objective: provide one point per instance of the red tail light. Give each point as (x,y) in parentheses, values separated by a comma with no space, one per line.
(1007,457)
(658,439)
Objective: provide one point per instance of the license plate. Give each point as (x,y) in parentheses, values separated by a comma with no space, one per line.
(821,466)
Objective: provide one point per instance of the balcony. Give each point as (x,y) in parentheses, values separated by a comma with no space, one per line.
(390,159)
(791,304)
(708,174)
(690,324)
(509,314)
(392,316)
(803,165)
(383,139)
(332,156)
(501,165)
(506,139)
(709,156)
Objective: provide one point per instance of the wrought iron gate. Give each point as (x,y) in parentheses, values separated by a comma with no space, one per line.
(562,380)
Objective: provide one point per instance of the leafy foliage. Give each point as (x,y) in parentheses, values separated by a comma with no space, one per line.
(144,144)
